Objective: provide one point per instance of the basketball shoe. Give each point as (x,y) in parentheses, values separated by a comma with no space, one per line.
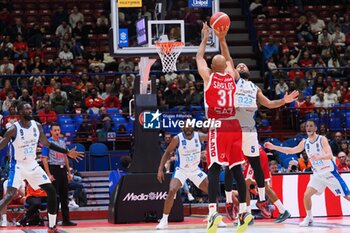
(213,222)
(162,225)
(53,230)
(243,221)
(282,217)
(306,222)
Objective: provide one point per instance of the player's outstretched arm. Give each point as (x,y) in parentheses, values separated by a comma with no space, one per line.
(221,34)
(11,133)
(71,153)
(202,65)
(287,150)
(166,156)
(288,98)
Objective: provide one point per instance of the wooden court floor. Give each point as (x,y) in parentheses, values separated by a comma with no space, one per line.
(197,225)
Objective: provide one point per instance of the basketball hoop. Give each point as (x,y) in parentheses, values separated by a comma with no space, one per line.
(168,53)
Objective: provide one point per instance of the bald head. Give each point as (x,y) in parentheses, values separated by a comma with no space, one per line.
(218,64)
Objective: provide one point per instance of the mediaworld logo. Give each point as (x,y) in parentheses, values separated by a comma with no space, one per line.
(157,120)
(151,196)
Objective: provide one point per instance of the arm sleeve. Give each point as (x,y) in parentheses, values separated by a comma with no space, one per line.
(54,147)
(45,151)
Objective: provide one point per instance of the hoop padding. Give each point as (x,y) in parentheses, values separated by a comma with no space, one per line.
(168,53)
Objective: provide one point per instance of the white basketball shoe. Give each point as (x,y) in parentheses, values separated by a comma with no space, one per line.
(306,222)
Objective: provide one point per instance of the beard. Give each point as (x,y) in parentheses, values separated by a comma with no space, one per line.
(244,75)
(28,117)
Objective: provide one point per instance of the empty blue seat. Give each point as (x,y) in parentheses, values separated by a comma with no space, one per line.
(335,124)
(113,111)
(99,150)
(69,128)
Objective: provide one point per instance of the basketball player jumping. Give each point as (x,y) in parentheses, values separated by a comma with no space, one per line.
(325,172)
(224,143)
(246,97)
(23,137)
(188,155)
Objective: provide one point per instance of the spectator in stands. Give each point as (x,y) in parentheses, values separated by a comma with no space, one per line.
(18,29)
(7,88)
(59,16)
(273,166)
(300,83)
(112,101)
(58,102)
(316,25)
(332,24)
(323,131)
(12,117)
(306,60)
(336,143)
(345,26)
(125,62)
(302,134)
(193,97)
(107,127)
(293,166)
(80,33)
(6,67)
(320,102)
(338,38)
(36,63)
(127,96)
(6,47)
(270,49)
(95,59)
(315,97)
(20,48)
(318,84)
(165,142)
(76,49)
(102,24)
(330,96)
(93,102)
(62,93)
(65,40)
(324,37)
(75,17)
(66,57)
(174,97)
(35,35)
(9,101)
(46,115)
(161,99)
(304,162)
(85,130)
(303,29)
(307,106)
(25,97)
(62,29)
(256,8)
(344,147)
(341,158)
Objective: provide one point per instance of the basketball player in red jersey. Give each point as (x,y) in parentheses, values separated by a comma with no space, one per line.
(224,143)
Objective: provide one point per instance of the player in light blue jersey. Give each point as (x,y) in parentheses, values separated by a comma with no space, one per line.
(23,137)
(325,172)
(187,145)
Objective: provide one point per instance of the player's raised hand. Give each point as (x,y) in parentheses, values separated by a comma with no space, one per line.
(268,145)
(288,98)
(160,176)
(76,155)
(222,32)
(205,30)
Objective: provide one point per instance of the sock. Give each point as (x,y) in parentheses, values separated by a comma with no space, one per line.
(280,206)
(242,207)
(228,196)
(249,210)
(212,208)
(165,218)
(52,220)
(261,192)
(4,217)
(308,214)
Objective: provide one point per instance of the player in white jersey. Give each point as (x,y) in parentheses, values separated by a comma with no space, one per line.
(247,96)
(188,155)
(325,172)
(23,137)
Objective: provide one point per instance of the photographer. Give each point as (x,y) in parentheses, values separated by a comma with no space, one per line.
(304,162)
(293,166)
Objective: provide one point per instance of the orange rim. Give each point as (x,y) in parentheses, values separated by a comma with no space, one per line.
(167,47)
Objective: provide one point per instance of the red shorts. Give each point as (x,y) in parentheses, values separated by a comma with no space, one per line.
(264,161)
(225,144)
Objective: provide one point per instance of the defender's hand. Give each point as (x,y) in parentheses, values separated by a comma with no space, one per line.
(288,98)
(222,32)
(76,155)
(205,31)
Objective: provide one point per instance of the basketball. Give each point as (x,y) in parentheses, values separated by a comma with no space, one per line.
(219,19)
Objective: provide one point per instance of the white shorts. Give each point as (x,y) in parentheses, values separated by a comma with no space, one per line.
(30,171)
(197,176)
(250,143)
(332,180)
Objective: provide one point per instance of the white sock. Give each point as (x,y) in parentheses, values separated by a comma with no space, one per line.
(261,192)
(165,218)
(309,214)
(212,208)
(280,206)
(242,207)
(52,220)
(4,217)
(228,196)
(249,210)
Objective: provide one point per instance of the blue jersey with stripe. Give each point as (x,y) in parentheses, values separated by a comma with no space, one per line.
(188,152)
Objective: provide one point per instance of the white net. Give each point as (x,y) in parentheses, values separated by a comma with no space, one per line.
(168,53)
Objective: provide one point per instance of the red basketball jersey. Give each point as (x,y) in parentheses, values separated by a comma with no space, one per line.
(219,96)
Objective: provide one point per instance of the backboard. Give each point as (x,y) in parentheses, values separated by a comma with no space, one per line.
(138,24)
